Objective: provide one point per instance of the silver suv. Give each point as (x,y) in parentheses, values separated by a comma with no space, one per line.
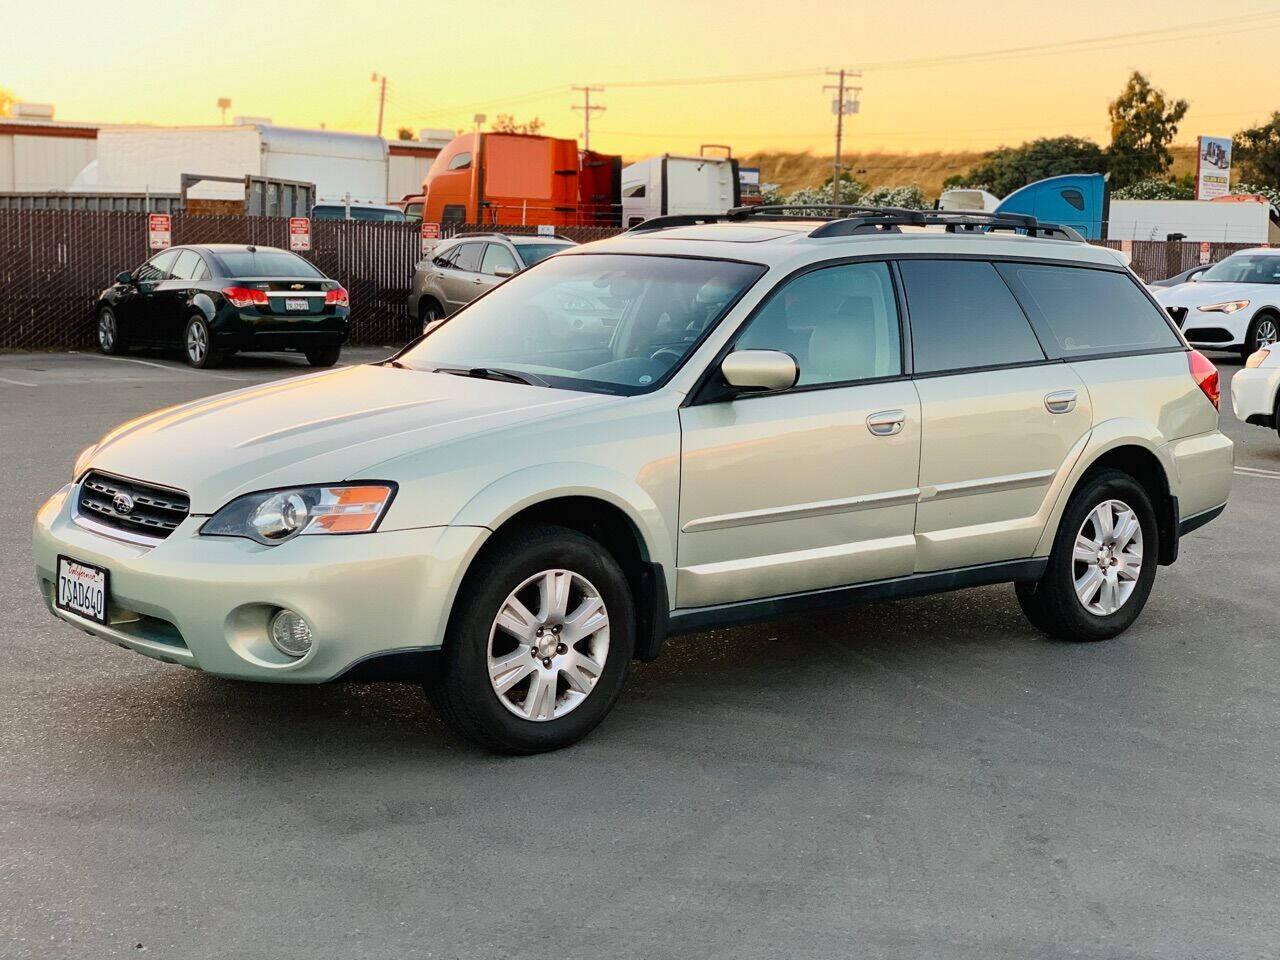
(705,421)
(463,267)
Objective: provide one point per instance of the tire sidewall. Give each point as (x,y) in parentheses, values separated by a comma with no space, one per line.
(117,343)
(207,361)
(467,640)
(1251,343)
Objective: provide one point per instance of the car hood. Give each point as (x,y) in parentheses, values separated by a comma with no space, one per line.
(317,429)
(1212,291)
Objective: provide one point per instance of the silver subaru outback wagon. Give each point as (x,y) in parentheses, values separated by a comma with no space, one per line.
(702,422)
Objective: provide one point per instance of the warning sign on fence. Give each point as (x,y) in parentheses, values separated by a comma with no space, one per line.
(1204,252)
(159,231)
(430,234)
(299,233)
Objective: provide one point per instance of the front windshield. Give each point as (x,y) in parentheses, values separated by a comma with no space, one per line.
(610,323)
(532,253)
(1244,268)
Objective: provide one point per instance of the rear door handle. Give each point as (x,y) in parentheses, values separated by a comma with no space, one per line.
(886,423)
(1060,401)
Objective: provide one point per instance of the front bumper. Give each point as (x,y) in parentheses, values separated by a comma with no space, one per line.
(205,602)
(1253,394)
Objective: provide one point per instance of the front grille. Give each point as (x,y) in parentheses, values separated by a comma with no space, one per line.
(154,513)
(1179,315)
(1209,335)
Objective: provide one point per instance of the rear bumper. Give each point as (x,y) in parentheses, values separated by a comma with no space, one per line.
(1253,395)
(1202,470)
(250,330)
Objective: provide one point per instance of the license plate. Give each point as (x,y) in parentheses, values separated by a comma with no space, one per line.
(82,589)
(292,304)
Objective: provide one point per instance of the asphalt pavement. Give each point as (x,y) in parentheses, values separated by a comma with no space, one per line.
(921,778)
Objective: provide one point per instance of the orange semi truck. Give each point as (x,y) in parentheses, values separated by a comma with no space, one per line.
(514,178)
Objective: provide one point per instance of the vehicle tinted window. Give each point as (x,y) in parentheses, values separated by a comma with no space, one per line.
(454,213)
(532,253)
(157,268)
(1074,197)
(460,162)
(186,266)
(266,263)
(635,190)
(1245,268)
(1081,311)
(840,323)
(468,257)
(963,315)
(495,256)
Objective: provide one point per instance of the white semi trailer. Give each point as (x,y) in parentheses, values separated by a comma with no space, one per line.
(670,184)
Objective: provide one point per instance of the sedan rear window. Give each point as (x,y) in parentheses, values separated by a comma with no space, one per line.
(266,263)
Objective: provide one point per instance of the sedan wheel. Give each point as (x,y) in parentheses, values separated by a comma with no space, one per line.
(108,333)
(1107,559)
(197,346)
(1265,333)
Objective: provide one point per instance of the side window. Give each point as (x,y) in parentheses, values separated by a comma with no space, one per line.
(453,213)
(1079,311)
(202,269)
(963,316)
(495,256)
(186,266)
(635,190)
(840,323)
(446,259)
(468,257)
(157,268)
(461,162)
(1075,198)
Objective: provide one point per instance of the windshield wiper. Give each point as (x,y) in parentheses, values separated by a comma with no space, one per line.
(494,373)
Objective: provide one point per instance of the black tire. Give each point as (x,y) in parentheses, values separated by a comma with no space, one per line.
(458,684)
(323,356)
(1263,323)
(107,332)
(1051,603)
(197,344)
(429,312)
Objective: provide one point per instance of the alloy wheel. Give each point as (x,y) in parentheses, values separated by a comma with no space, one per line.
(197,342)
(1107,558)
(548,645)
(106,330)
(1267,333)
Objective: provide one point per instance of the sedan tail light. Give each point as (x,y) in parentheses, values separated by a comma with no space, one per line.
(337,297)
(1205,374)
(245,296)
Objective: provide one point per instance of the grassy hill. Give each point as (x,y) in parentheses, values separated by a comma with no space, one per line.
(792,171)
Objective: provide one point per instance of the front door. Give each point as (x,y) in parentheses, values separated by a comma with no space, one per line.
(815,486)
(172,297)
(999,421)
(139,321)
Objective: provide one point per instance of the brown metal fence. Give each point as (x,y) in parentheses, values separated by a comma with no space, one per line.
(53,263)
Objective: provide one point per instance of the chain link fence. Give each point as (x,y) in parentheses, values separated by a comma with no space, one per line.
(53,263)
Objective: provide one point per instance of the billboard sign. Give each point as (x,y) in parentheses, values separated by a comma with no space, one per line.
(159,231)
(299,234)
(1213,167)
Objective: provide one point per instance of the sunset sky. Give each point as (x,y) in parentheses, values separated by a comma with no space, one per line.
(308,62)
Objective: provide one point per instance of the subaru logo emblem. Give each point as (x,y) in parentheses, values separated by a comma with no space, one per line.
(122,503)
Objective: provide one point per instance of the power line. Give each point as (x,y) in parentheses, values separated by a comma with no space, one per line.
(587,109)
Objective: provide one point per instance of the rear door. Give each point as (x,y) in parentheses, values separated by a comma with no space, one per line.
(461,282)
(1000,419)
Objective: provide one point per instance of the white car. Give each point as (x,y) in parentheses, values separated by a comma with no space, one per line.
(1234,305)
(1255,390)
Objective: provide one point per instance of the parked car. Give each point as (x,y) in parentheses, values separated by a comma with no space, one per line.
(786,415)
(460,269)
(1233,305)
(411,205)
(1186,276)
(376,212)
(216,299)
(1255,390)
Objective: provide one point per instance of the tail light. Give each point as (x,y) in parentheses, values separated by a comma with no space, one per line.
(337,297)
(1205,374)
(245,296)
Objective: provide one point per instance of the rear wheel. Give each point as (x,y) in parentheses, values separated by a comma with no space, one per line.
(430,314)
(323,356)
(110,339)
(197,344)
(1102,564)
(539,644)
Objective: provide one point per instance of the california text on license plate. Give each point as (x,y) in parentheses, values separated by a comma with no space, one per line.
(82,589)
(301,304)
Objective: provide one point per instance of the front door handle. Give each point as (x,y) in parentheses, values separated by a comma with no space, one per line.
(1060,401)
(886,423)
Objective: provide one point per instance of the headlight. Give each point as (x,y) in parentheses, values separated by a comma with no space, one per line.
(1230,306)
(274,516)
(1257,358)
(82,461)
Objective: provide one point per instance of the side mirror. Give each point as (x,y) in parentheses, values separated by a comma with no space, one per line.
(124,277)
(760,370)
(503,271)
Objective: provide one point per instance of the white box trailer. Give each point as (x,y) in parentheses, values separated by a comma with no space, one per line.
(672,184)
(155,158)
(1214,221)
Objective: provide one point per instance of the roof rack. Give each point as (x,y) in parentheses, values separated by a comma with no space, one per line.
(843,220)
(508,236)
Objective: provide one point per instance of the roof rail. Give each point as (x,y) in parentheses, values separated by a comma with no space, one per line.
(844,220)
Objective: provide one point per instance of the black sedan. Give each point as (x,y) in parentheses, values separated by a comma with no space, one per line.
(216,299)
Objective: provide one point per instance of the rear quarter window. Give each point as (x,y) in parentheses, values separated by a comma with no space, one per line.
(1081,312)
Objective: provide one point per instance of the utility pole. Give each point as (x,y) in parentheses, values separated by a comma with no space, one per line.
(382,97)
(224,104)
(840,106)
(587,109)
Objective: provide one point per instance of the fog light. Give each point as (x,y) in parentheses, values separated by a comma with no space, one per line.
(290,633)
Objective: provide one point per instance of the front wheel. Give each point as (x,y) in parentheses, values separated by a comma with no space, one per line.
(323,356)
(1102,564)
(110,339)
(1263,332)
(539,644)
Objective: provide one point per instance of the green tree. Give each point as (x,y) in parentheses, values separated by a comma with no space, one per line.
(506,123)
(1144,122)
(404,133)
(1257,153)
(7,100)
(1005,169)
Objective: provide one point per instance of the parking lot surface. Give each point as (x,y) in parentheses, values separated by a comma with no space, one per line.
(921,778)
